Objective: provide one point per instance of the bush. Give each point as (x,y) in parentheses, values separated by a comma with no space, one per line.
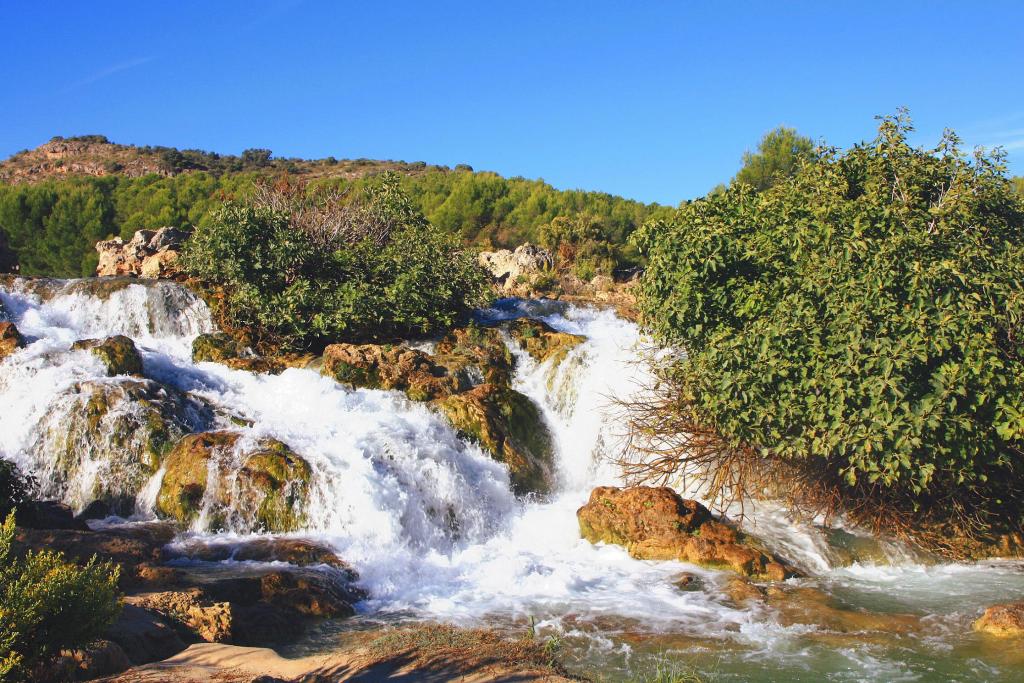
(315,268)
(48,605)
(859,323)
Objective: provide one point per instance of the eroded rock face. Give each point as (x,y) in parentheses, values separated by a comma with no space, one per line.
(210,621)
(117,353)
(476,353)
(103,440)
(1006,620)
(149,254)
(512,270)
(10,339)
(245,487)
(542,341)
(657,524)
(507,425)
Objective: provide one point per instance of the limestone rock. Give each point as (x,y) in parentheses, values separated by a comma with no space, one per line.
(211,622)
(10,339)
(117,353)
(516,269)
(507,425)
(375,366)
(657,524)
(149,254)
(478,354)
(266,492)
(1005,620)
(144,635)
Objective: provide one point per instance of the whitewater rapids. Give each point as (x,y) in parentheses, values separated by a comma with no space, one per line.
(431,524)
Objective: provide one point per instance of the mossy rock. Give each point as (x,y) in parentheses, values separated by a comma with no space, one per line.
(542,341)
(215,348)
(266,492)
(122,429)
(382,366)
(117,353)
(477,355)
(10,339)
(509,427)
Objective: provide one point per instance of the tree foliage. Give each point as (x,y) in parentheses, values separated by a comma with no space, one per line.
(310,288)
(779,155)
(861,320)
(48,605)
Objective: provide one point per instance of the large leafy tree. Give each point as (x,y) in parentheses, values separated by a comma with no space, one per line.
(779,156)
(857,328)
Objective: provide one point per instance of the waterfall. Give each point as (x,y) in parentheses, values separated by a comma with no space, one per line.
(428,520)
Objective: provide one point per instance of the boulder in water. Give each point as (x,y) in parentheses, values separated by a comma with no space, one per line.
(259,487)
(1004,620)
(507,425)
(476,353)
(655,523)
(117,353)
(216,347)
(103,439)
(10,339)
(295,551)
(376,366)
(542,341)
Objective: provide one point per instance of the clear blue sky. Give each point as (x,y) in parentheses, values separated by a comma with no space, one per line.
(655,100)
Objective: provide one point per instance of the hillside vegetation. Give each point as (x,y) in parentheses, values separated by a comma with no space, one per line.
(58,200)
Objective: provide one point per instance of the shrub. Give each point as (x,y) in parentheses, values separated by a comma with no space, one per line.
(311,269)
(859,323)
(48,605)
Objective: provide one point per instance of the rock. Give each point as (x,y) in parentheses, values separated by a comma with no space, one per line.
(374,366)
(94,510)
(478,354)
(50,514)
(117,353)
(602,283)
(103,440)
(10,339)
(144,635)
(309,593)
(208,621)
(216,348)
(128,546)
(542,341)
(1004,620)
(688,582)
(149,254)
(294,551)
(507,425)
(657,524)
(102,658)
(521,268)
(266,492)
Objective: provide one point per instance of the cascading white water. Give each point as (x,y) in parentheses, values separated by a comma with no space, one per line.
(430,522)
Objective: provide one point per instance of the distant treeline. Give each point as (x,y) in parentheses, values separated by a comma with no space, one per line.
(51,227)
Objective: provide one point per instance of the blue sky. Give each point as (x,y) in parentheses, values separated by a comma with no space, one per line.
(655,101)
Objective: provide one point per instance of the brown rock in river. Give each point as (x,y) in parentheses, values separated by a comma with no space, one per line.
(10,339)
(1005,620)
(657,524)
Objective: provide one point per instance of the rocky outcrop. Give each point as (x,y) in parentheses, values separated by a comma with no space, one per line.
(149,254)
(542,341)
(507,425)
(295,551)
(117,353)
(1005,620)
(476,354)
(518,270)
(210,622)
(374,366)
(10,339)
(244,487)
(222,348)
(103,439)
(657,524)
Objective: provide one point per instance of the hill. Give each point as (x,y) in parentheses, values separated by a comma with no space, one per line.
(58,200)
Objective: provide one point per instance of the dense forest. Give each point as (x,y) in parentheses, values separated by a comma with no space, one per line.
(51,225)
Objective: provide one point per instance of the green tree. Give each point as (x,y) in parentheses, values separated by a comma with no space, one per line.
(857,327)
(778,156)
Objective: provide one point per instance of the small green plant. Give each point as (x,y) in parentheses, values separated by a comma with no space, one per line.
(48,605)
(665,672)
